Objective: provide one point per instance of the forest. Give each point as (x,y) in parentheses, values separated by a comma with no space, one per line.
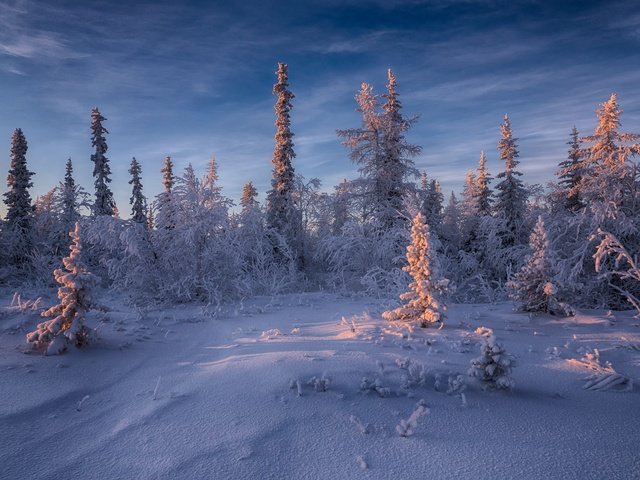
(324,333)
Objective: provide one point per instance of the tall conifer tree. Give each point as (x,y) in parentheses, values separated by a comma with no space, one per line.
(104,203)
(138,200)
(511,196)
(20,210)
(282,214)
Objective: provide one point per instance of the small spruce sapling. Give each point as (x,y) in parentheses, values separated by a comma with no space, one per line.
(493,367)
(67,325)
(424,298)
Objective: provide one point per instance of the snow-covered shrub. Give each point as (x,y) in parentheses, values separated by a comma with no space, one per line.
(493,367)
(406,427)
(294,384)
(623,266)
(365,257)
(415,377)
(76,283)
(367,385)
(533,286)
(424,299)
(319,384)
(456,385)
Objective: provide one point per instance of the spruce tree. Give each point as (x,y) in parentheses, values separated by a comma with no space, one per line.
(434,206)
(248,200)
(20,211)
(167,174)
(493,366)
(165,218)
(607,178)
(470,195)
(424,303)
(570,174)
(534,285)
(74,293)
(397,164)
(385,157)
(340,207)
(283,216)
(70,197)
(511,196)
(212,191)
(482,191)
(450,228)
(138,201)
(104,203)
(150,220)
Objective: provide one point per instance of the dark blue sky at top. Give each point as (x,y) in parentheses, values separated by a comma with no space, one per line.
(192,79)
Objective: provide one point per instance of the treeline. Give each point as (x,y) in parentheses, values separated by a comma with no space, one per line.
(186,244)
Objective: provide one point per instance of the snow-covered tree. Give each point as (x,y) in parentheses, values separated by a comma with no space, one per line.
(213,198)
(50,238)
(424,304)
(340,207)
(482,192)
(248,199)
(397,158)
(511,196)
(493,366)
(380,147)
(165,206)
(534,286)
(469,194)
(608,181)
(67,325)
(71,197)
(282,214)
(104,203)
(613,260)
(450,228)
(570,174)
(150,218)
(167,174)
(609,189)
(434,206)
(138,200)
(423,194)
(18,227)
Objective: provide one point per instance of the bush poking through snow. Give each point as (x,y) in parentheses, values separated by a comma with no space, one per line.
(456,384)
(406,427)
(415,377)
(424,304)
(363,428)
(367,385)
(75,299)
(493,367)
(20,305)
(294,384)
(319,384)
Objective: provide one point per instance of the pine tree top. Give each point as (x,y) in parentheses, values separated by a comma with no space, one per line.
(167,174)
(507,148)
(69,181)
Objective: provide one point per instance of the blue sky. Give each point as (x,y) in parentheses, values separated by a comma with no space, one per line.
(190,79)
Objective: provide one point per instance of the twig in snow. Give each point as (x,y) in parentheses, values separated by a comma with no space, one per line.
(155,390)
(79,405)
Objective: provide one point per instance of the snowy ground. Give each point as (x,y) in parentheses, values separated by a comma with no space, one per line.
(181,394)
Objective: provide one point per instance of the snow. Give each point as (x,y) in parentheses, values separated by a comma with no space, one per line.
(190,393)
